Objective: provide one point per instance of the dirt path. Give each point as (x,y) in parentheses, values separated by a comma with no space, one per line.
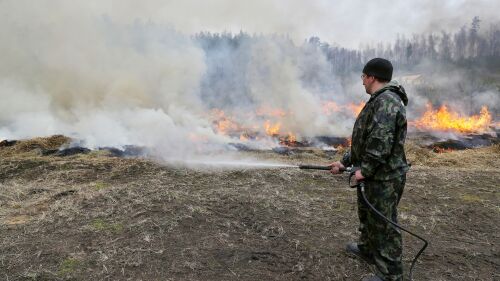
(94,217)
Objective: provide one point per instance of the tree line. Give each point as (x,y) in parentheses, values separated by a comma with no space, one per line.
(470,45)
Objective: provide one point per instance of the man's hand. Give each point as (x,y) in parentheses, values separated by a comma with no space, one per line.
(337,168)
(359,177)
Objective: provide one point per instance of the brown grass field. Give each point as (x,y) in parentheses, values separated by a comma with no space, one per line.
(96,217)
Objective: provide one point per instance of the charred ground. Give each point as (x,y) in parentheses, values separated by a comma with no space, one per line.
(96,217)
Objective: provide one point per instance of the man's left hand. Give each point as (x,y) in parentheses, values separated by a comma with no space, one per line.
(359,176)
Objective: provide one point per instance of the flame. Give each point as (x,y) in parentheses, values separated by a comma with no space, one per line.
(268,111)
(244,137)
(443,119)
(356,108)
(223,124)
(442,150)
(331,107)
(249,128)
(272,129)
(289,140)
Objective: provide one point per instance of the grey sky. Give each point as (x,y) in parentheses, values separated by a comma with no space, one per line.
(347,23)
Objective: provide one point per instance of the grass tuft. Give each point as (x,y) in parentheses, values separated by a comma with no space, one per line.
(470,198)
(102,225)
(68,266)
(99,185)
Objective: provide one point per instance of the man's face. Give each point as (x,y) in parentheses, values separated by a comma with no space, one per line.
(368,82)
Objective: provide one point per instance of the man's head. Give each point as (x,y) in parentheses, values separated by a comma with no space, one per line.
(376,73)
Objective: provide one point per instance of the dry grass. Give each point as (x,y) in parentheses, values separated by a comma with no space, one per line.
(480,158)
(34,146)
(94,217)
(417,155)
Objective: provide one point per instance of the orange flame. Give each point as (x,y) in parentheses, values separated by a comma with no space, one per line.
(291,137)
(272,129)
(267,111)
(442,150)
(223,124)
(445,120)
(243,137)
(288,140)
(330,107)
(356,108)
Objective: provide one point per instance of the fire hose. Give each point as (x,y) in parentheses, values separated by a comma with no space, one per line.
(361,187)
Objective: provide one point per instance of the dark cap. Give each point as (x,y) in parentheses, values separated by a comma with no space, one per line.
(380,68)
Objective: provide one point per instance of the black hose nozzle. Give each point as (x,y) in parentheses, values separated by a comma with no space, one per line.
(315,167)
(318,167)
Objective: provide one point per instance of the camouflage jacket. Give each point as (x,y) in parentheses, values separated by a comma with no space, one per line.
(379,135)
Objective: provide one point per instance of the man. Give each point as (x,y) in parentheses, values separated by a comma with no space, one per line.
(378,150)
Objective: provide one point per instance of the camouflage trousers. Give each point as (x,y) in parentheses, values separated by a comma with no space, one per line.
(378,237)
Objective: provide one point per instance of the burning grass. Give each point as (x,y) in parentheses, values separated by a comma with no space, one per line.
(273,123)
(444,119)
(481,157)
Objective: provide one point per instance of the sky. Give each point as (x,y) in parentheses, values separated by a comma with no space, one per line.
(347,23)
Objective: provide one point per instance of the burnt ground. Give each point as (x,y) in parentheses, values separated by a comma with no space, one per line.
(95,217)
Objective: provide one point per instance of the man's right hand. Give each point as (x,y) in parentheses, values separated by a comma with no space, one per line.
(337,168)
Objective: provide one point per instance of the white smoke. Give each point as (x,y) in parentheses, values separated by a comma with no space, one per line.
(274,80)
(68,72)
(112,74)
(76,72)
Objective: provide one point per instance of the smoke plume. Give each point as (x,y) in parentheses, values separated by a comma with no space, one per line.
(113,74)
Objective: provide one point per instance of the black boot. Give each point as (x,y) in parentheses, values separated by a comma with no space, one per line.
(354,249)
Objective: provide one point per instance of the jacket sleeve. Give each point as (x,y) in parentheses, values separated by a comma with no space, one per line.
(380,137)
